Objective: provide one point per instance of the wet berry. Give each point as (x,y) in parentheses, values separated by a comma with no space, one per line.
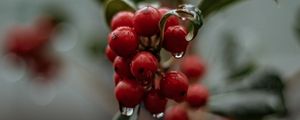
(124,18)
(176,113)
(193,67)
(174,39)
(122,68)
(172,20)
(129,93)
(146,20)
(110,54)
(197,96)
(123,41)
(154,102)
(144,65)
(174,86)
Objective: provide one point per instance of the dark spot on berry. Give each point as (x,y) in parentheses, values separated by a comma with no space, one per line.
(182,93)
(116,68)
(141,70)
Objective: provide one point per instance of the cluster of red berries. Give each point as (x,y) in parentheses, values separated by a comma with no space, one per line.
(133,47)
(29,44)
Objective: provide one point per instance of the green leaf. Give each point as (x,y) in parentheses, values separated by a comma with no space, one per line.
(188,12)
(245,105)
(210,6)
(254,97)
(112,7)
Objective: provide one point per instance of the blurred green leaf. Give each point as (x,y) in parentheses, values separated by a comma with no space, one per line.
(254,97)
(210,6)
(246,105)
(297,25)
(114,6)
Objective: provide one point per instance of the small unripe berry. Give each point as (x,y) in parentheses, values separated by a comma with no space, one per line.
(123,41)
(197,96)
(193,67)
(124,18)
(122,68)
(174,39)
(117,79)
(174,86)
(172,20)
(110,54)
(146,21)
(155,103)
(144,65)
(129,93)
(176,113)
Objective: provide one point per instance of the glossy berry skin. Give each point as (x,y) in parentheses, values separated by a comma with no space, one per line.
(144,65)
(123,41)
(110,54)
(154,102)
(122,68)
(176,113)
(129,93)
(197,96)
(174,86)
(124,18)
(117,79)
(193,67)
(172,20)
(146,21)
(174,39)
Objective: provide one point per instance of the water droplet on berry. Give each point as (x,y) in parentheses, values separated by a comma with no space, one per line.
(183,18)
(178,55)
(158,115)
(126,111)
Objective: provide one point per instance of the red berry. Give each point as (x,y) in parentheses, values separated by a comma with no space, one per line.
(193,67)
(110,54)
(172,20)
(123,41)
(197,96)
(146,20)
(122,67)
(176,113)
(129,93)
(24,41)
(123,18)
(174,86)
(174,39)
(155,103)
(144,65)
(117,78)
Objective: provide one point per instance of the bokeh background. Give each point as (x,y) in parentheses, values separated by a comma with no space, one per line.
(260,31)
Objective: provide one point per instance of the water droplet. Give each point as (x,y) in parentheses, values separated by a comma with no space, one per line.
(183,18)
(158,115)
(127,111)
(178,55)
